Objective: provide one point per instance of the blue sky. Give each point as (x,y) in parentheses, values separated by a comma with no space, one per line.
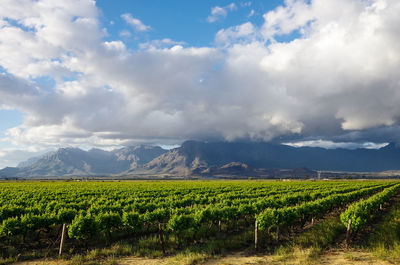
(9,119)
(107,74)
(179,20)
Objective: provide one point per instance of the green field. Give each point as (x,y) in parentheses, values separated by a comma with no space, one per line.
(165,217)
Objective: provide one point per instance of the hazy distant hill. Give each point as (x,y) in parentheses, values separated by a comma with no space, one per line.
(74,161)
(207,159)
(32,160)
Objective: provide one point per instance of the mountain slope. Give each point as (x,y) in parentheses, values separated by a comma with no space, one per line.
(138,155)
(195,157)
(74,161)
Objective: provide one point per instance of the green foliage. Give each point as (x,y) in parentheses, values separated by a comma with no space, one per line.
(83,227)
(204,215)
(65,216)
(11,227)
(34,222)
(108,221)
(182,222)
(13,211)
(190,210)
(159,215)
(287,216)
(133,220)
(362,211)
(385,241)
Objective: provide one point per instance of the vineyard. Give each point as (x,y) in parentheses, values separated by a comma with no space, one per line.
(71,216)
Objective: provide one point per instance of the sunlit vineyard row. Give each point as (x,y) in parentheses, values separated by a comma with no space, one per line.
(191,212)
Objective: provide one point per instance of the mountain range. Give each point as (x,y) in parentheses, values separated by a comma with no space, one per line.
(77,162)
(259,159)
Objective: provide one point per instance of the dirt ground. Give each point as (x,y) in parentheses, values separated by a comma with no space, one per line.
(331,258)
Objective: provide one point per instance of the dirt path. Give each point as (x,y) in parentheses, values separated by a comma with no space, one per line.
(144,261)
(351,257)
(334,258)
(331,258)
(42,262)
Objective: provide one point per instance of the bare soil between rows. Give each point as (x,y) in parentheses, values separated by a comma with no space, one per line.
(334,257)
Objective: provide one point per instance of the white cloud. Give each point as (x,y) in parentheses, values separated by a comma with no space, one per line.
(246,4)
(125,33)
(334,145)
(345,62)
(251,13)
(294,15)
(218,12)
(10,157)
(118,46)
(54,28)
(135,23)
(337,80)
(245,33)
(160,44)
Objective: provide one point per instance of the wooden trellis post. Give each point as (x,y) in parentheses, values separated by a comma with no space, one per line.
(161,237)
(277,233)
(256,235)
(62,239)
(348,232)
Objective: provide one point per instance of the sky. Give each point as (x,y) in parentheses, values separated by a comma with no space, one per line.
(108,74)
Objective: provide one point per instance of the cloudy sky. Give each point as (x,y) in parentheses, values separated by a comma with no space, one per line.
(114,73)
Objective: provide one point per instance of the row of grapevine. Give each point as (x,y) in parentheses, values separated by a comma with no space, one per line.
(107,204)
(199,209)
(362,211)
(98,217)
(288,216)
(88,194)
